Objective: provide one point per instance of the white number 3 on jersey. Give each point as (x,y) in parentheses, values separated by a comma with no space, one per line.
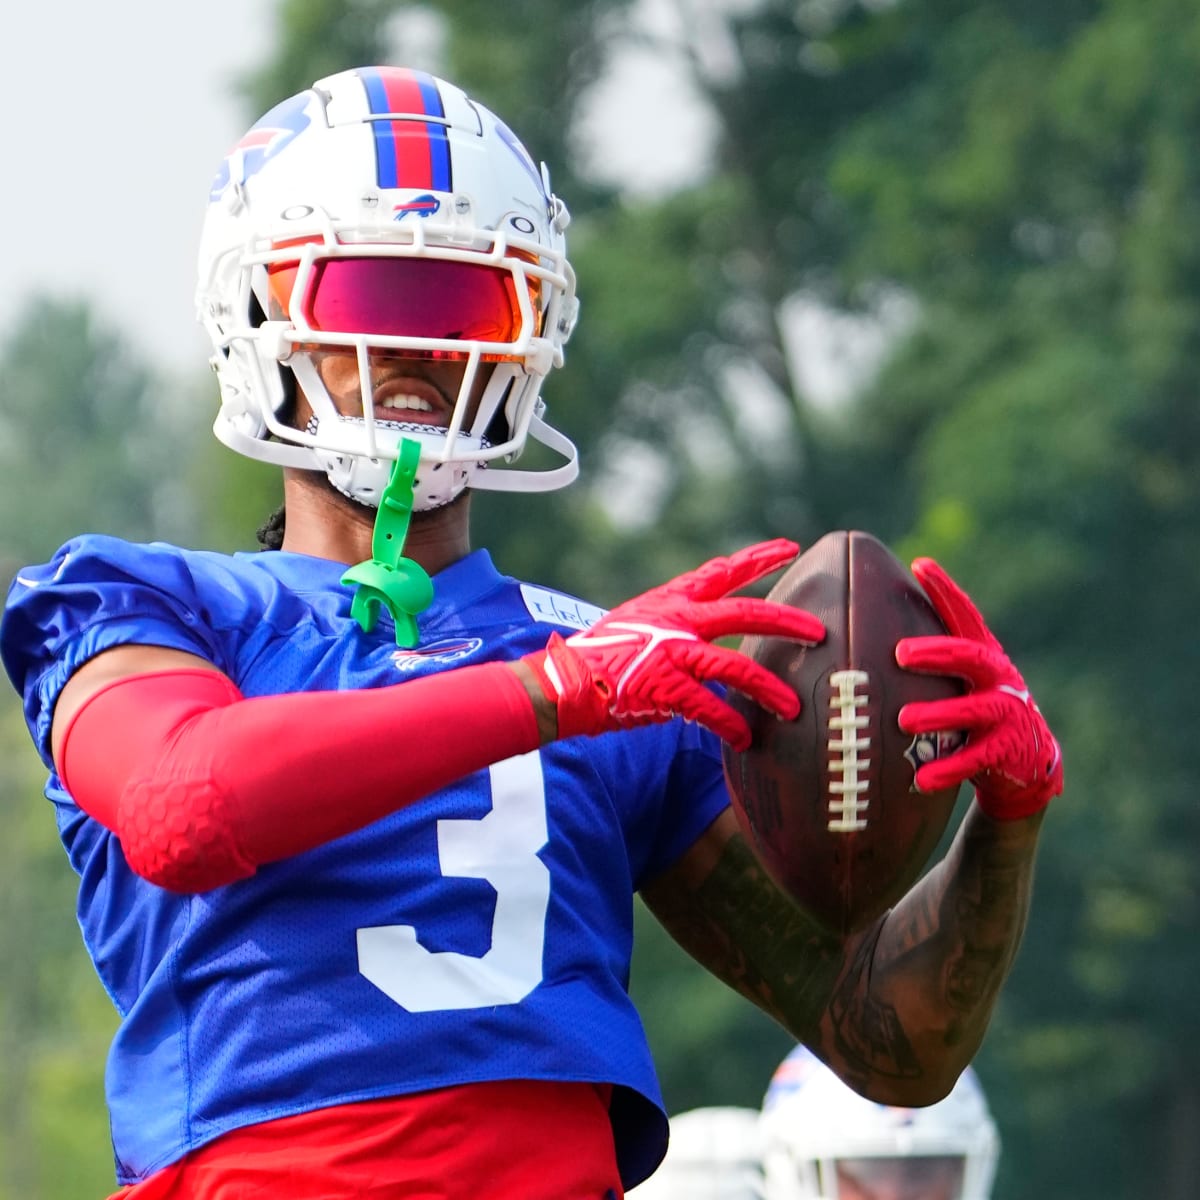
(501,848)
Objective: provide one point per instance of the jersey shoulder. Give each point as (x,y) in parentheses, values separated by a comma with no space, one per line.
(97,592)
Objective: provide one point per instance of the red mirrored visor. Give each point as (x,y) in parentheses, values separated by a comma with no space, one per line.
(406,297)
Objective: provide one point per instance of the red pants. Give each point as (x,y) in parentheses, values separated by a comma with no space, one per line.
(509,1140)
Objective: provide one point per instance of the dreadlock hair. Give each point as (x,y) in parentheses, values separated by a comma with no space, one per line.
(270,532)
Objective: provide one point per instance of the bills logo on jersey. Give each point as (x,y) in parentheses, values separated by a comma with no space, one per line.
(447,650)
(419,206)
(262,142)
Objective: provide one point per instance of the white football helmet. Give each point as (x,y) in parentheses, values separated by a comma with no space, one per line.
(823,1141)
(714,1154)
(384,212)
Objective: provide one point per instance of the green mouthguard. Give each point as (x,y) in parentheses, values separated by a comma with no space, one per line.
(388,579)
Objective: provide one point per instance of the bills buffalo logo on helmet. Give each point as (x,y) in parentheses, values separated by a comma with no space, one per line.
(421,206)
(265,139)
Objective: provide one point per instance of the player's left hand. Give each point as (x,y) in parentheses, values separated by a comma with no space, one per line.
(1010,755)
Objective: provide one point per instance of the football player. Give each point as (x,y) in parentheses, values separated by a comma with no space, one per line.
(715,1153)
(822,1141)
(358,823)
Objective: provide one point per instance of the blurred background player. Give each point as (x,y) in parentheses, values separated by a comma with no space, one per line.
(715,1153)
(822,1141)
(817,1139)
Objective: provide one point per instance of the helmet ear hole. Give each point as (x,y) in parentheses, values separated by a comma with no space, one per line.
(257,316)
(499,428)
(287,379)
(287,410)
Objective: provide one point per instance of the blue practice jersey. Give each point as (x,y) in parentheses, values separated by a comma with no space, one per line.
(483,933)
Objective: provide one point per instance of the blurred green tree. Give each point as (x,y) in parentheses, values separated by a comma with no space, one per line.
(85,423)
(92,440)
(1039,435)
(55,1020)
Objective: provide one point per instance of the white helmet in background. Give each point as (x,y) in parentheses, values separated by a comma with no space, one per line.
(823,1141)
(714,1154)
(383,212)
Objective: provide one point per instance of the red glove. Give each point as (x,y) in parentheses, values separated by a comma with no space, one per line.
(647,660)
(1010,754)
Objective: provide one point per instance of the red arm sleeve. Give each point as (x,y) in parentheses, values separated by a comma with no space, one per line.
(203,785)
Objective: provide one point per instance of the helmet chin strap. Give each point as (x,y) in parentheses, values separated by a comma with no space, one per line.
(387,579)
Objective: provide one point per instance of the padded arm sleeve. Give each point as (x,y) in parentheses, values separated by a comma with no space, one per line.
(203,785)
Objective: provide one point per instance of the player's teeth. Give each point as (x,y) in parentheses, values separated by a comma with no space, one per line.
(408,403)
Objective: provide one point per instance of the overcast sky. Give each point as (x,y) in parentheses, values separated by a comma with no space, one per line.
(116,119)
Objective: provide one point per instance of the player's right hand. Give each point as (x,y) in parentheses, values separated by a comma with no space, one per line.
(648,659)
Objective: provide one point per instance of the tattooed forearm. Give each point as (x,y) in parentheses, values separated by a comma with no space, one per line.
(899,1008)
(868,1036)
(738,924)
(990,914)
(943,954)
(916,920)
(912,1006)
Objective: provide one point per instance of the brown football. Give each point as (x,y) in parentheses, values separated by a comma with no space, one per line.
(828,800)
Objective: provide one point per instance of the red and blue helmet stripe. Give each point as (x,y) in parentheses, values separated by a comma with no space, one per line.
(412,153)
